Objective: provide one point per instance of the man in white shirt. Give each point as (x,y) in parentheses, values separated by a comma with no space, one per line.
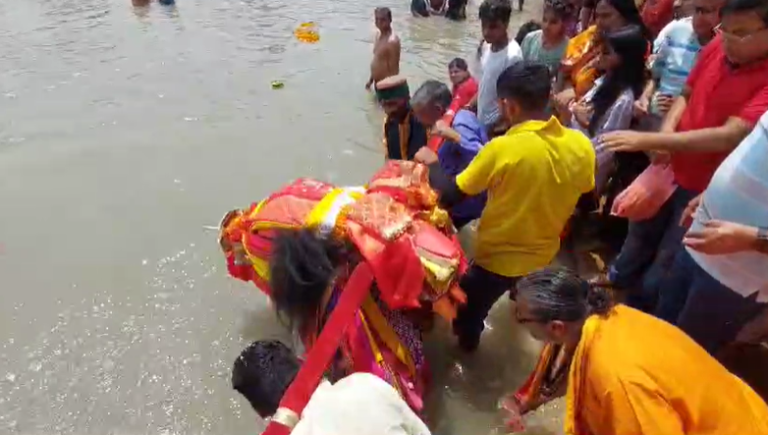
(719,283)
(498,53)
(360,403)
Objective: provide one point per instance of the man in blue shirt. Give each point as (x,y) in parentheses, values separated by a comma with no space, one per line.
(674,53)
(463,139)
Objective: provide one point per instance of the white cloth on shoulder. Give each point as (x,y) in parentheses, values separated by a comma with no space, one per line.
(358,404)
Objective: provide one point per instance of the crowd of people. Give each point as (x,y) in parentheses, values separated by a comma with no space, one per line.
(558,125)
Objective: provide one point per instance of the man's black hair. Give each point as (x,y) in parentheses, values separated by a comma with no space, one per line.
(525,29)
(495,10)
(383,10)
(560,8)
(528,83)
(458,63)
(263,372)
(760,7)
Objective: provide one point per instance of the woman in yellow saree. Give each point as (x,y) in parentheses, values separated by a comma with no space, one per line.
(578,73)
(632,373)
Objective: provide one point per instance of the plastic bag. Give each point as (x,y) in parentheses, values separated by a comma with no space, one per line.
(645,196)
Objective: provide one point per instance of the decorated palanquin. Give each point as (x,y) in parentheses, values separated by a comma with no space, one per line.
(410,255)
(394,221)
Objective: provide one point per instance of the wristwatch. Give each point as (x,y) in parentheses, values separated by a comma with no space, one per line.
(761,243)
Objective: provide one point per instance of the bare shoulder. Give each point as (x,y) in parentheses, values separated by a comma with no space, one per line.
(394,38)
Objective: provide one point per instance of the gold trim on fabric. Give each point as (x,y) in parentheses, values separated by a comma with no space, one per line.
(286,417)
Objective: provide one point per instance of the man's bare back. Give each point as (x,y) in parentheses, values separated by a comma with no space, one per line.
(386,49)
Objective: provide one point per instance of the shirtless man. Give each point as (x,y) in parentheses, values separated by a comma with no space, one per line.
(386,49)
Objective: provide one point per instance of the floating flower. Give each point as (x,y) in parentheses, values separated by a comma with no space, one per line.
(307,32)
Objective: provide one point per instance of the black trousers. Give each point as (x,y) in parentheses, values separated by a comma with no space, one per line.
(483,289)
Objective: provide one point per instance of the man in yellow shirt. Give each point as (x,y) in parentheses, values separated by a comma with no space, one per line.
(534,175)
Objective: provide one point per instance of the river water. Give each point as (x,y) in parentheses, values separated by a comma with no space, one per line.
(124,132)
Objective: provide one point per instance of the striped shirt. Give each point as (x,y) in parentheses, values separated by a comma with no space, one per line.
(675,52)
(738,193)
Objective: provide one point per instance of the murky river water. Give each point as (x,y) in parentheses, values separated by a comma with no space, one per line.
(123,133)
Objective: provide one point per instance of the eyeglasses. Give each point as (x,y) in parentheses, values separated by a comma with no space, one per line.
(726,35)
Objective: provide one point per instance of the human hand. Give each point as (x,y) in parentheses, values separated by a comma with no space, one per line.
(441,128)
(624,140)
(425,155)
(563,99)
(720,237)
(664,103)
(687,218)
(660,157)
(512,411)
(582,112)
(640,108)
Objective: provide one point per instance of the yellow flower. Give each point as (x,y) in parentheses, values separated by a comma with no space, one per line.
(307,32)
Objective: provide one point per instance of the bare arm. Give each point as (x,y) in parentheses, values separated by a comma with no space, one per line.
(585,16)
(649,89)
(708,140)
(676,112)
(395,55)
(720,237)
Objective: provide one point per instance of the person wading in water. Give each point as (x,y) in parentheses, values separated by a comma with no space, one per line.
(386,49)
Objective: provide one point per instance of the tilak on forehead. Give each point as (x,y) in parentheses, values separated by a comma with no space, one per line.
(392,88)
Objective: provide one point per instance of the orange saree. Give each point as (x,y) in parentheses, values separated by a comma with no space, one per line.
(579,57)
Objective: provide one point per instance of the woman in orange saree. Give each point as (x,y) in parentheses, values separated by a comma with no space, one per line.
(578,73)
(631,373)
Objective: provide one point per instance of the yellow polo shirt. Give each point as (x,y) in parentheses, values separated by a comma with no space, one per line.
(534,176)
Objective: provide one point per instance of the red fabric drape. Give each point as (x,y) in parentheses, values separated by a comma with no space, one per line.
(319,357)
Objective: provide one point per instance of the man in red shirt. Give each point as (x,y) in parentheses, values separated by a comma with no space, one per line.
(725,96)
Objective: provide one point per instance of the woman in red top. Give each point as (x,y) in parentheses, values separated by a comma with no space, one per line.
(464,85)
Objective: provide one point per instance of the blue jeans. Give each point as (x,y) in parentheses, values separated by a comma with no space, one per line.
(648,252)
(709,312)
